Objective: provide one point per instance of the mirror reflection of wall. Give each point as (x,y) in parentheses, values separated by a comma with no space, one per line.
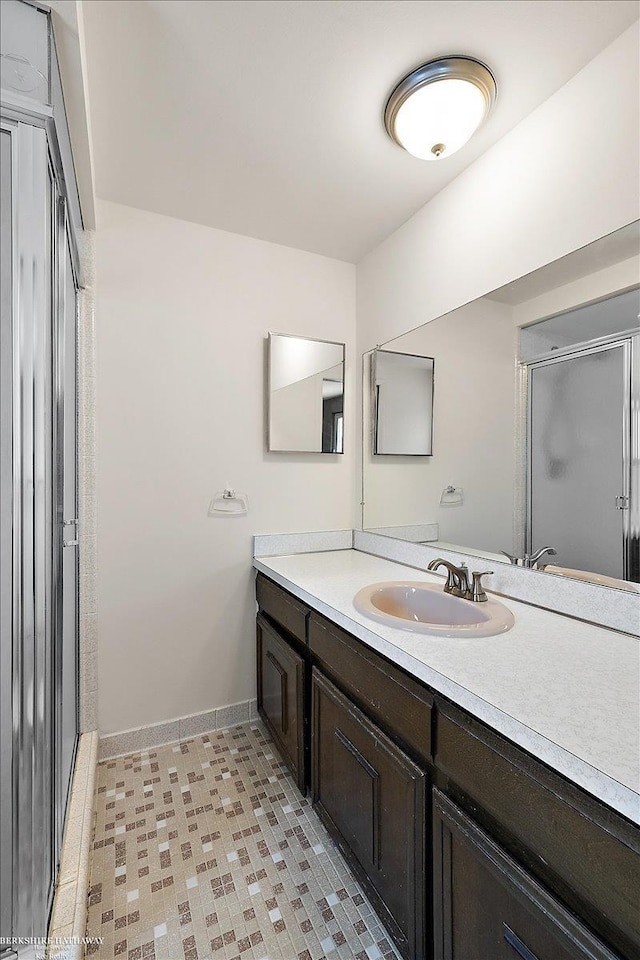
(530,376)
(306,395)
(402,386)
(473,406)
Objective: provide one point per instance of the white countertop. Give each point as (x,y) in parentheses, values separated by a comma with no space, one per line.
(566,691)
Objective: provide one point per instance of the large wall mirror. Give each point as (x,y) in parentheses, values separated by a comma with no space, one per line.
(305,395)
(536,423)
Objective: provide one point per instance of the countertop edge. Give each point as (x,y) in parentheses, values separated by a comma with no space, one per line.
(578,771)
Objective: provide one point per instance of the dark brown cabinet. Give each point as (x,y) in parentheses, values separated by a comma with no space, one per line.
(371,797)
(569,841)
(516,862)
(487,908)
(397,703)
(281,677)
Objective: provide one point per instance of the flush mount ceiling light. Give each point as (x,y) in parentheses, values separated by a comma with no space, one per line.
(439,106)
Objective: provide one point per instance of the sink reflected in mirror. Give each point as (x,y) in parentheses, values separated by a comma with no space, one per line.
(425,608)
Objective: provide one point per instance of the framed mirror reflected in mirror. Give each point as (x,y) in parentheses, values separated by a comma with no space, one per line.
(305,395)
(402,403)
(536,423)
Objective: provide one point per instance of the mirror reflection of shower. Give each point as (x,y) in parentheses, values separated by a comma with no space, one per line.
(579,433)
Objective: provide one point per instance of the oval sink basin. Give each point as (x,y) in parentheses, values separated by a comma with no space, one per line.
(426,608)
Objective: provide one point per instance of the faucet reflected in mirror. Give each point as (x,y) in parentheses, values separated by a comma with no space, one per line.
(531,560)
(551,467)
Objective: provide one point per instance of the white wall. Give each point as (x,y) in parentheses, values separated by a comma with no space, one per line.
(473,433)
(566,175)
(182,313)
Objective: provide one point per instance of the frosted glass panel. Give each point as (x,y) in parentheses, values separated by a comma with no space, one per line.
(577,460)
(24,50)
(606,318)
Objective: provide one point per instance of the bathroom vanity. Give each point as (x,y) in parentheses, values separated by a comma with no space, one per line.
(479,830)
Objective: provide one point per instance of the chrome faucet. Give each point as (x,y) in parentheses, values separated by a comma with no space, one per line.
(458,580)
(530,560)
(457,577)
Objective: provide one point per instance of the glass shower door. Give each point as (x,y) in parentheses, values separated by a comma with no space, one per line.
(27,539)
(38,576)
(38,512)
(578,458)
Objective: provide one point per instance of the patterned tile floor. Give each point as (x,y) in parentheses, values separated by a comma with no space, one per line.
(206,850)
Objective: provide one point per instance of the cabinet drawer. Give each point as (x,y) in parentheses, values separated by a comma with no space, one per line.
(572,843)
(281,674)
(397,703)
(282,607)
(486,906)
(372,798)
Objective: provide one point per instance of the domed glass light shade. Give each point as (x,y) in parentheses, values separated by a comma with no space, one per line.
(437,108)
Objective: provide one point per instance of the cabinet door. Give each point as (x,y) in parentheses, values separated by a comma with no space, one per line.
(281,696)
(486,907)
(371,797)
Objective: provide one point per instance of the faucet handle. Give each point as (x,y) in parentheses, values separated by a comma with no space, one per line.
(477,590)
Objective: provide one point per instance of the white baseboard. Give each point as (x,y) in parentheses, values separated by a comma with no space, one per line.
(173,731)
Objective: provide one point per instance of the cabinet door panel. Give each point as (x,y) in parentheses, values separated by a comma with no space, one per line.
(594,852)
(281,696)
(360,819)
(372,796)
(487,906)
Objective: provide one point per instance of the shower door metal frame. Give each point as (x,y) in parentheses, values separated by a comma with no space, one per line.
(10,651)
(41,227)
(62,237)
(630,427)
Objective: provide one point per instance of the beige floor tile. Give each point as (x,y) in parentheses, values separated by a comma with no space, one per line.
(239,866)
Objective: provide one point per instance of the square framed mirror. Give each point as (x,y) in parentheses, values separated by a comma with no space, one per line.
(305,395)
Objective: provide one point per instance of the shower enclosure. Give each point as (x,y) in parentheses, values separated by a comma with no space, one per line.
(40,220)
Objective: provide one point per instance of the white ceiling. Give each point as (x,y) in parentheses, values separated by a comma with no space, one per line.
(264,117)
